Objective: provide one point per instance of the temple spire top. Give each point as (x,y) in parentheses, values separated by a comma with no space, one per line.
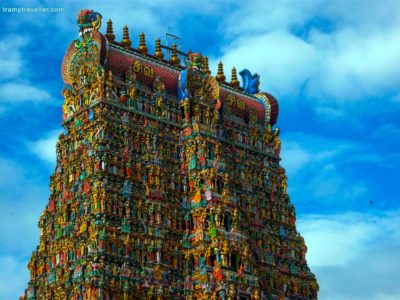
(174,57)
(206,69)
(142,44)
(125,39)
(110,31)
(220,75)
(158,53)
(234,80)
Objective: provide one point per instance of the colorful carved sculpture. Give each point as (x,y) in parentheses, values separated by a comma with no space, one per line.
(87,19)
(251,82)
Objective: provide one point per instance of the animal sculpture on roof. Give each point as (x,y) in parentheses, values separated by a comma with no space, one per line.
(250,81)
(88,20)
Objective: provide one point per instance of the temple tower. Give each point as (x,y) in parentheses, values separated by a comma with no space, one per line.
(167,183)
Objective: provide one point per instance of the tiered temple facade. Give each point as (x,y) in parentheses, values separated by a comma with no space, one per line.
(167,184)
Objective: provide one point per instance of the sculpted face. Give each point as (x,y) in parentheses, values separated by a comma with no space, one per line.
(87,20)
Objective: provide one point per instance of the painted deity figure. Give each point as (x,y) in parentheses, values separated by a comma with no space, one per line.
(131,92)
(186,109)
(69,102)
(277,142)
(284,183)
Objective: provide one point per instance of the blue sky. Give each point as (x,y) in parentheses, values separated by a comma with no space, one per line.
(335,69)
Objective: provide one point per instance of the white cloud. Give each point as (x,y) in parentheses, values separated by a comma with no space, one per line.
(11,57)
(13,93)
(303,152)
(355,65)
(294,157)
(337,239)
(14,70)
(284,61)
(300,149)
(342,61)
(353,255)
(320,168)
(152,17)
(333,184)
(22,198)
(45,148)
(258,17)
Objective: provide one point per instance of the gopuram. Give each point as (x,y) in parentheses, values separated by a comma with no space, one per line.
(167,183)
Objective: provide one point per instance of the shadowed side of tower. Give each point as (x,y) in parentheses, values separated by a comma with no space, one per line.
(167,184)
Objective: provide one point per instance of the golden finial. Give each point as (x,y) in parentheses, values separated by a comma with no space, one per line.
(110,32)
(174,57)
(142,44)
(159,54)
(205,65)
(234,81)
(220,75)
(125,38)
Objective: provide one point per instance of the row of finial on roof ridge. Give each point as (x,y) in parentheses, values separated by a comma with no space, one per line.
(174,60)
